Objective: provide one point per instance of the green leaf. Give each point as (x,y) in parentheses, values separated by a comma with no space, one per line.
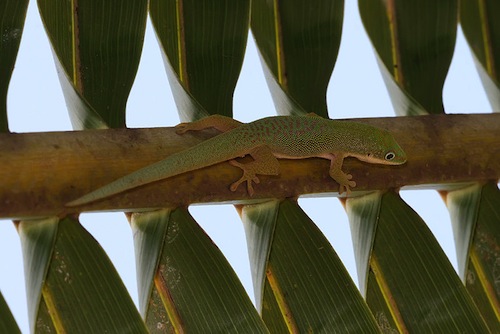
(149,230)
(463,205)
(203,44)
(414,42)
(363,213)
(194,290)
(259,221)
(37,241)
(12,16)
(7,322)
(475,215)
(306,287)
(67,272)
(479,20)
(97,46)
(299,44)
(412,286)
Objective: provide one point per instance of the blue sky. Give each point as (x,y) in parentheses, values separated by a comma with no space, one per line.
(356,90)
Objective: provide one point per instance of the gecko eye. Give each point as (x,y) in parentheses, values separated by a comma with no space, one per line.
(390,156)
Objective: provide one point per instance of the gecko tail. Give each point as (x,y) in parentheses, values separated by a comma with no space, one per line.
(110,189)
(158,171)
(177,163)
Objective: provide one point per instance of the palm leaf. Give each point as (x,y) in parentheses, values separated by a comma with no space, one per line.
(482,31)
(401,296)
(97,56)
(475,216)
(67,271)
(414,42)
(7,322)
(62,279)
(179,289)
(291,261)
(298,45)
(189,293)
(416,54)
(202,43)
(12,16)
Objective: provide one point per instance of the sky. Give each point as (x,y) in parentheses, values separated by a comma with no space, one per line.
(36,103)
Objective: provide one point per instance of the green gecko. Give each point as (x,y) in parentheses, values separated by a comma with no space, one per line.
(265,140)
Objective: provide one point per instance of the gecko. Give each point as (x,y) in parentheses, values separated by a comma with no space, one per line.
(266,140)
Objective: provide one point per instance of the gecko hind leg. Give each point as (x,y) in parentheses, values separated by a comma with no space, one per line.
(265,163)
(219,122)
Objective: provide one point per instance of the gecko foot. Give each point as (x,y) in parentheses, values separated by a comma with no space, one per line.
(345,183)
(248,177)
(182,128)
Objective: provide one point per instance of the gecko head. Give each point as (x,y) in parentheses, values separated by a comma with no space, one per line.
(382,149)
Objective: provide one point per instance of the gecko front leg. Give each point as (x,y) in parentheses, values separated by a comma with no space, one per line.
(265,163)
(343,179)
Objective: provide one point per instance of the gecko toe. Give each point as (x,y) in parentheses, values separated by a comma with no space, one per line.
(235,185)
(250,188)
(235,164)
(181,128)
